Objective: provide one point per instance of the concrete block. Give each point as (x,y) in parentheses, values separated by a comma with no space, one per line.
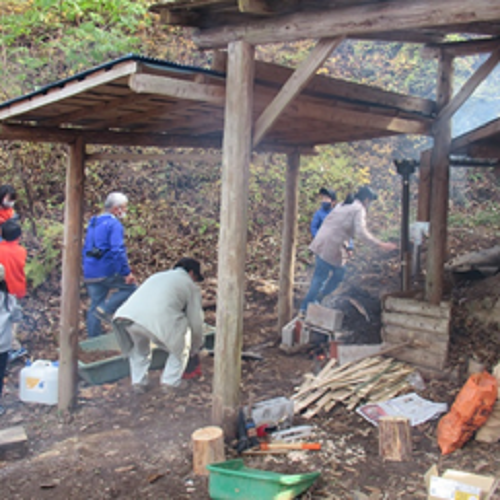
(324,317)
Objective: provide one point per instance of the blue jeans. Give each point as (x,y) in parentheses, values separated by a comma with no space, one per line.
(325,280)
(98,292)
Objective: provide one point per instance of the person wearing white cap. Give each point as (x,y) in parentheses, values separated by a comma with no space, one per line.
(10,312)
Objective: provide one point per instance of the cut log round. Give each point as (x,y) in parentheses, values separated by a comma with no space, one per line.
(395,438)
(208,448)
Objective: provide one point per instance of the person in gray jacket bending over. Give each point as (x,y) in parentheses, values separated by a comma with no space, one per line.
(344,222)
(166,309)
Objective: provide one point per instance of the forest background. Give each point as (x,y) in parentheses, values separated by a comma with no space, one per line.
(174,208)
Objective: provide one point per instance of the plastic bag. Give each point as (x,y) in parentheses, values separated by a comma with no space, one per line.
(470,411)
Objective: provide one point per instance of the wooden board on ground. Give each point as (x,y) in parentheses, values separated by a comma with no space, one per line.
(13,443)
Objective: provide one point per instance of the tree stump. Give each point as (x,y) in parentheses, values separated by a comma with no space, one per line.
(208,448)
(395,438)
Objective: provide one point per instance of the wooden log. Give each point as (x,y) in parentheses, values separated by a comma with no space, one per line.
(233,235)
(13,443)
(352,21)
(434,342)
(208,448)
(395,442)
(422,357)
(460,49)
(288,242)
(440,169)
(71,268)
(423,323)
(417,307)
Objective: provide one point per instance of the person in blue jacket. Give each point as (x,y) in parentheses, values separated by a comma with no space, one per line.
(328,199)
(105,263)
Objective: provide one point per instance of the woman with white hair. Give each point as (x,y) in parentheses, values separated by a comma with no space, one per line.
(105,263)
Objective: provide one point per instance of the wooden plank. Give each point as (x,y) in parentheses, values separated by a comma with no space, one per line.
(91,111)
(417,307)
(70,281)
(70,89)
(353,21)
(294,85)
(467,48)
(288,241)
(424,187)
(233,235)
(489,129)
(322,85)
(13,443)
(440,170)
(468,88)
(168,157)
(416,322)
(367,119)
(437,342)
(422,357)
(181,89)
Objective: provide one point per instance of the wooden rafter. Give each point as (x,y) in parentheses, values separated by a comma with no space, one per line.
(351,21)
(168,157)
(463,141)
(468,88)
(181,89)
(294,85)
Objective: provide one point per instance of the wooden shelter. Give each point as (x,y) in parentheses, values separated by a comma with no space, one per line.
(246,105)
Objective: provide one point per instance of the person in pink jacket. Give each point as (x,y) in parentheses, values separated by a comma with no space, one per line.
(345,221)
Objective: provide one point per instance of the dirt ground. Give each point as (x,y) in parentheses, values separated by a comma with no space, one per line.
(121,445)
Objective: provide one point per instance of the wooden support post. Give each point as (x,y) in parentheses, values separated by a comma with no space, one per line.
(440,171)
(395,438)
(71,266)
(208,448)
(237,146)
(424,187)
(288,241)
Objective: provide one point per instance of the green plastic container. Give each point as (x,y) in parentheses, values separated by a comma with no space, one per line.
(231,480)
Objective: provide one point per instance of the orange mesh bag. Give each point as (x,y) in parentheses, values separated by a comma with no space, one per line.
(470,411)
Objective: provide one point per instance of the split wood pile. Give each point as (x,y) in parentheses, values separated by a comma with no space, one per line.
(369,380)
(426,325)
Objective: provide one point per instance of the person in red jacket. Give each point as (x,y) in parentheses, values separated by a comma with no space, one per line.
(7,199)
(13,258)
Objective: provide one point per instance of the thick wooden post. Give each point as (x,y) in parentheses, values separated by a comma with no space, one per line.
(233,235)
(424,187)
(71,266)
(440,173)
(288,241)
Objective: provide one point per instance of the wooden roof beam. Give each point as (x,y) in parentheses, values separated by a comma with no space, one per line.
(468,88)
(294,85)
(468,48)
(56,135)
(180,89)
(350,21)
(321,85)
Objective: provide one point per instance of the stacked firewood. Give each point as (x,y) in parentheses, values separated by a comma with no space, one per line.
(369,380)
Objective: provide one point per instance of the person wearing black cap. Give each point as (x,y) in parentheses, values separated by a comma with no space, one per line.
(166,309)
(347,221)
(328,199)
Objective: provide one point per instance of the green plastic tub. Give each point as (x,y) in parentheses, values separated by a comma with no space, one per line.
(117,367)
(231,480)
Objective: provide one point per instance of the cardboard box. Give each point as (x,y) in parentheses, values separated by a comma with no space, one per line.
(458,485)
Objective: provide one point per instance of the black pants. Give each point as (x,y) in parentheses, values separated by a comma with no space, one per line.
(4,357)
